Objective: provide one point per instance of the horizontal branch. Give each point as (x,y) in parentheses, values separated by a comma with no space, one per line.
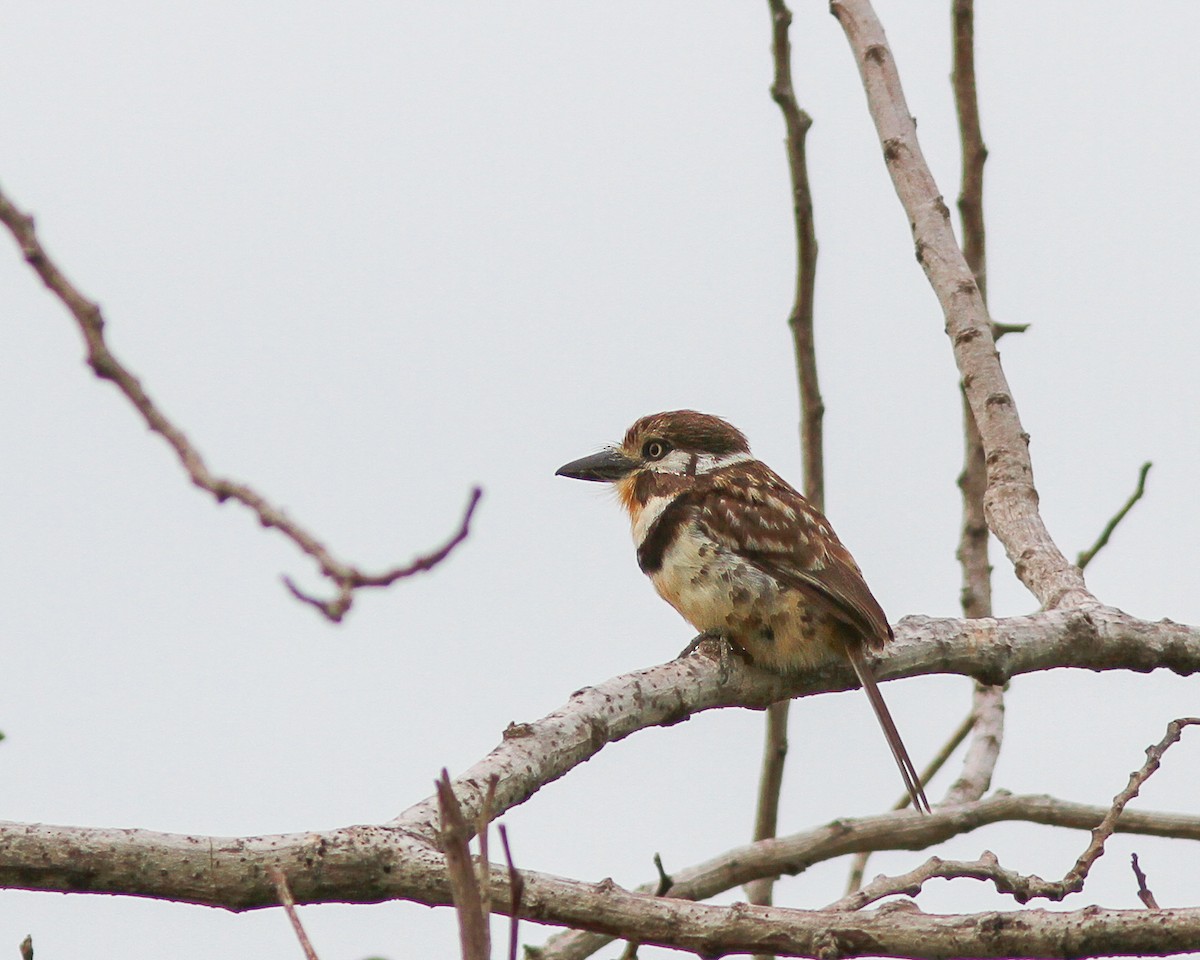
(534,754)
(794,854)
(370,864)
(989,650)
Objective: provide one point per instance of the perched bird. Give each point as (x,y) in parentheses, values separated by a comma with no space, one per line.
(742,555)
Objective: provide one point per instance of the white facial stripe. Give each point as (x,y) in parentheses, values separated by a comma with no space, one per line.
(680,461)
(707,462)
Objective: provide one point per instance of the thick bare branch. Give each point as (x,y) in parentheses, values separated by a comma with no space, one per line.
(1012,502)
(345,577)
(534,754)
(368,864)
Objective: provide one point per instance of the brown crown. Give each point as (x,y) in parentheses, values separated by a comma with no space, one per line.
(688,430)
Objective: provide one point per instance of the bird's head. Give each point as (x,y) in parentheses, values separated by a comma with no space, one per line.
(675,444)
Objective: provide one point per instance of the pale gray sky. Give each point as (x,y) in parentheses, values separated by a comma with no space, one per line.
(368,255)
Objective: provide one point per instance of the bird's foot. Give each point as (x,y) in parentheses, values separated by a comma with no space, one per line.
(724,653)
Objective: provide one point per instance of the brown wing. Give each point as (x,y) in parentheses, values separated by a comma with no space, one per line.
(752,510)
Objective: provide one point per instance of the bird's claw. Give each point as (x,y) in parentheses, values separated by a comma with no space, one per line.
(725,650)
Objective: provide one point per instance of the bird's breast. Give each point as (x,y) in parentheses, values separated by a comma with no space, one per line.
(717,590)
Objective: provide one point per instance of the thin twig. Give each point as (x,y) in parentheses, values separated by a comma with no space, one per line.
(665,880)
(473,932)
(770,784)
(974,152)
(345,577)
(289,907)
(516,888)
(1022,887)
(1086,556)
(812,408)
(1143,891)
(482,823)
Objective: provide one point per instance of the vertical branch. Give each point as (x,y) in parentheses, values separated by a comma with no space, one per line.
(973,544)
(473,930)
(986,720)
(812,408)
(987,702)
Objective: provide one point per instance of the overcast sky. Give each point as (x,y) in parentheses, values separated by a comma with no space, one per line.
(368,255)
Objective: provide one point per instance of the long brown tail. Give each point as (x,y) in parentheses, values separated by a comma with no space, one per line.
(912,779)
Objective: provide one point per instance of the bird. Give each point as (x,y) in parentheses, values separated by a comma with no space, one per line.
(743,556)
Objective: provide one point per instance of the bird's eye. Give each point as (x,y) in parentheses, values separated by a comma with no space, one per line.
(655,449)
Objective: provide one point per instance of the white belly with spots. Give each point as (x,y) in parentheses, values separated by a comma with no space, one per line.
(713,588)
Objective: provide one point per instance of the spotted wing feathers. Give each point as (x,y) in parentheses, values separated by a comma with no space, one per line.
(750,509)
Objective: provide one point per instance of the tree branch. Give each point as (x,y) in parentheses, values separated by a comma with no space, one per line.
(992,650)
(812,408)
(1102,541)
(794,854)
(1022,887)
(345,577)
(1011,499)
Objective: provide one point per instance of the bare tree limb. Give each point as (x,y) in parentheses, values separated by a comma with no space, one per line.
(992,650)
(812,408)
(289,907)
(1102,541)
(987,703)
(401,860)
(371,864)
(1022,887)
(473,932)
(974,152)
(516,886)
(794,854)
(1011,500)
(987,733)
(345,577)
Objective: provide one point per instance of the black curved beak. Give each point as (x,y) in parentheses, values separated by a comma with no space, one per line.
(604,467)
